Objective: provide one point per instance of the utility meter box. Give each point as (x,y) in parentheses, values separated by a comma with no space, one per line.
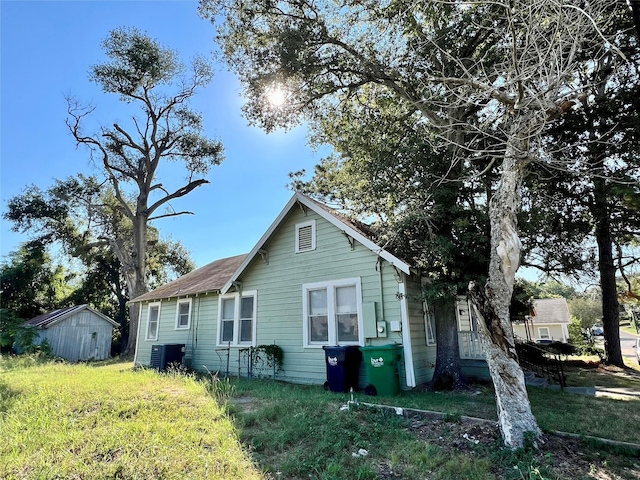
(381,329)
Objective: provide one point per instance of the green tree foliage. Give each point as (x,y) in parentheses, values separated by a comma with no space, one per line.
(485,77)
(79,215)
(11,328)
(17,336)
(384,169)
(588,311)
(548,289)
(31,284)
(601,189)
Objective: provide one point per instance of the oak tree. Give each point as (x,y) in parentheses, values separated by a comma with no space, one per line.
(131,156)
(511,65)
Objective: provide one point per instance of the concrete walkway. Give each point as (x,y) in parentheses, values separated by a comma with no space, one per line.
(597,391)
(606,392)
(620,393)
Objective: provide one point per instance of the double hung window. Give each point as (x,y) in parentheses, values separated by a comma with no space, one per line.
(332,313)
(183,314)
(237,314)
(153,321)
(543,333)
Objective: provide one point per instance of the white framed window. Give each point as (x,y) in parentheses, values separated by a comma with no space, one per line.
(237,315)
(543,333)
(332,313)
(429,324)
(153,321)
(306,236)
(183,314)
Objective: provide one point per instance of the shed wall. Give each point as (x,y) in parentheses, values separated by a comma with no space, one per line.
(83,336)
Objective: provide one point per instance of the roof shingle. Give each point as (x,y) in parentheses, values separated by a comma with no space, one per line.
(550,310)
(210,278)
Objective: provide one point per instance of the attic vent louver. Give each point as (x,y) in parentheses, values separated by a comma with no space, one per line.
(305,236)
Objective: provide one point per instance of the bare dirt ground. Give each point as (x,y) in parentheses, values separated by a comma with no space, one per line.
(560,457)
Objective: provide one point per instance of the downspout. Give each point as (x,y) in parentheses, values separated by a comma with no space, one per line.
(379,268)
(406,335)
(195,332)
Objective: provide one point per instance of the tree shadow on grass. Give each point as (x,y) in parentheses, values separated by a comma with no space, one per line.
(7,396)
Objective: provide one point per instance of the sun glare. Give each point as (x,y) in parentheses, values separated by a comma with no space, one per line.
(276,96)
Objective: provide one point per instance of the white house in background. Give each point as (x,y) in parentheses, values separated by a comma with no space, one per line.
(548,322)
(76,333)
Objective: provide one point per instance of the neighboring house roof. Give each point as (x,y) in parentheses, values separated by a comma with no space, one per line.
(210,278)
(46,320)
(354,229)
(550,310)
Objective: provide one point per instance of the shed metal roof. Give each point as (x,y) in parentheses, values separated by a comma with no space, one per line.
(50,318)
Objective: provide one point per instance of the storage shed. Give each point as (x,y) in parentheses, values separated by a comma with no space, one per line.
(76,333)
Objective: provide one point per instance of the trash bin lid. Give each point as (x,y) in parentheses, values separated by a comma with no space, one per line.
(390,346)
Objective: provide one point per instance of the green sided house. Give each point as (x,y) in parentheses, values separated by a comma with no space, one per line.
(314,279)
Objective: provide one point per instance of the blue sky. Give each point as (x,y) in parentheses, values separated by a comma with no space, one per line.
(47,50)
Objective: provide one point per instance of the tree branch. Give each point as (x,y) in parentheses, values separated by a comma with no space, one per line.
(175,214)
(181,192)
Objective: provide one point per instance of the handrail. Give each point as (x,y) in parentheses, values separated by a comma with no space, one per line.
(541,361)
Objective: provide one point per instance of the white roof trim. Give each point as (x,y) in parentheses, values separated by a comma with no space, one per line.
(307,202)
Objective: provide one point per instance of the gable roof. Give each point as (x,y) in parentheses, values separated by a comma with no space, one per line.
(356,230)
(210,278)
(550,310)
(46,320)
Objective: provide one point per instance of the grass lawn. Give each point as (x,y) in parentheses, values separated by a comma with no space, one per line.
(301,432)
(106,421)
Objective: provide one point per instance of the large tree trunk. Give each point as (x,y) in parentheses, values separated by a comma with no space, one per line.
(138,270)
(607,270)
(448,372)
(514,410)
(137,289)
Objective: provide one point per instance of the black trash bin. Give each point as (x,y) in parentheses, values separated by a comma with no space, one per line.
(343,367)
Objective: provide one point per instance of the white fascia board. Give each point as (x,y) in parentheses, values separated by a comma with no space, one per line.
(395,261)
(304,200)
(410,374)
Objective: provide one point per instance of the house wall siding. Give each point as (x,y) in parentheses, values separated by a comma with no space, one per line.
(278,281)
(558,332)
(82,336)
(279,285)
(424,356)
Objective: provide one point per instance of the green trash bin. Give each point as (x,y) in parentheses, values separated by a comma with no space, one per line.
(381,364)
